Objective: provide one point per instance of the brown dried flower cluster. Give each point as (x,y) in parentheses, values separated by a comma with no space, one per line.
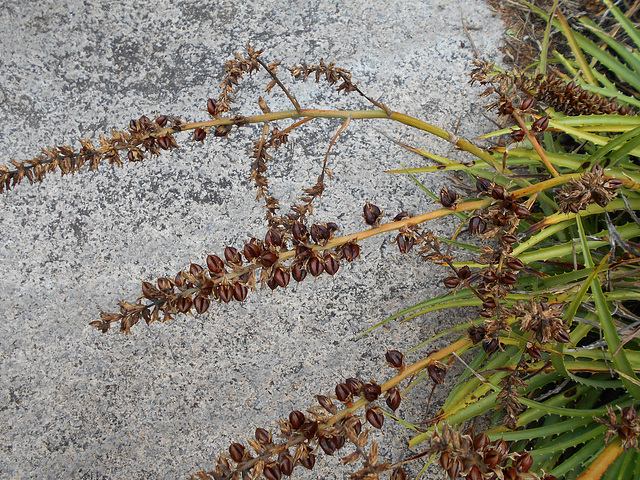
(143,137)
(475,457)
(627,429)
(323,428)
(543,319)
(590,187)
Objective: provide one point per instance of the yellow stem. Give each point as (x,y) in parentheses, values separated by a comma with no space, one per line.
(600,465)
(536,145)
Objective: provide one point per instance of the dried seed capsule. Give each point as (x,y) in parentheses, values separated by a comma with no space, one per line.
(351,251)
(343,394)
(490,277)
(613,184)
(448,198)
(398,474)
(225,292)
(326,403)
(201,304)
(195,269)
(309,429)
(518,135)
(273,238)
(528,103)
(509,278)
(393,399)
(371,391)
(483,185)
(183,304)
(534,352)
(540,125)
(281,277)
(395,358)
(299,231)
(316,267)
(505,108)
(296,419)
(240,291)
(524,462)
(134,126)
(298,272)
(272,472)
(251,251)
(211,107)
(562,336)
(371,214)
(354,385)
(508,238)
(521,212)
(309,461)
(401,216)
(319,233)
(328,445)
(476,333)
(232,256)
(271,283)
(436,373)
(285,462)
(451,282)
(464,273)
(405,242)
(268,258)
(489,303)
(498,192)
(491,346)
(375,417)
(214,264)
(149,290)
(480,442)
(199,134)
(262,436)
(331,264)
(162,120)
(303,252)
(165,284)
(477,225)
(236,450)
(514,263)
(164,142)
(179,280)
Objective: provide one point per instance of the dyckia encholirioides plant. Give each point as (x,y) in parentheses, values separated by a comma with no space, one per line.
(551,225)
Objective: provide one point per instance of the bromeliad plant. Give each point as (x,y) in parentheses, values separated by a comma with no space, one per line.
(551,356)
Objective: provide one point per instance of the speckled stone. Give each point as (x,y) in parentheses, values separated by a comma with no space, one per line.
(163,402)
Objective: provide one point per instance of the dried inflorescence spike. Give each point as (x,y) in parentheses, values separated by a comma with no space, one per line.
(544,319)
(590,187)
(627,428)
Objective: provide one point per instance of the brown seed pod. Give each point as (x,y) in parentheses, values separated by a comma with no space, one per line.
(477,225)
(271,283)
(165,284)
(326,403)
(540,125)
(225,292)
(481,441)
(375,417)
(514,263)
(354,385)
(328,445)
(199,134)
(309,461)
(164,142)
(303,252)
(527,103)
(401,216)
(395,358)
(162,120)
(296,419)
(451,282)
(272,472)
(211,107)
(476,333)
(315,266)
(232,256)
(436,373)
(240,291)
(371,214)
(262,436)
(236,450)
(491,346)
(490,277)
(524,462)
(508,238)
(343,394)
(405,242)
(448,198)
(281,277)
(184,304)
(195,269)
(273,238)
(309,429)
(179,280)
(214,264)
(299,232)
(613,184)
(489,303)
(398,474)
(351,251)
(393,399)
(222,130)
(319,233)
(285,462)
(498,192)
(508,278)
(332,226)
(298,272)
(484,185)
(268,258)
(331,264)
(201,304)
(534,352)
(521,212)
(149,290)
(518,135)
(371,391)
(562,336)
(251,250)
(464,273)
